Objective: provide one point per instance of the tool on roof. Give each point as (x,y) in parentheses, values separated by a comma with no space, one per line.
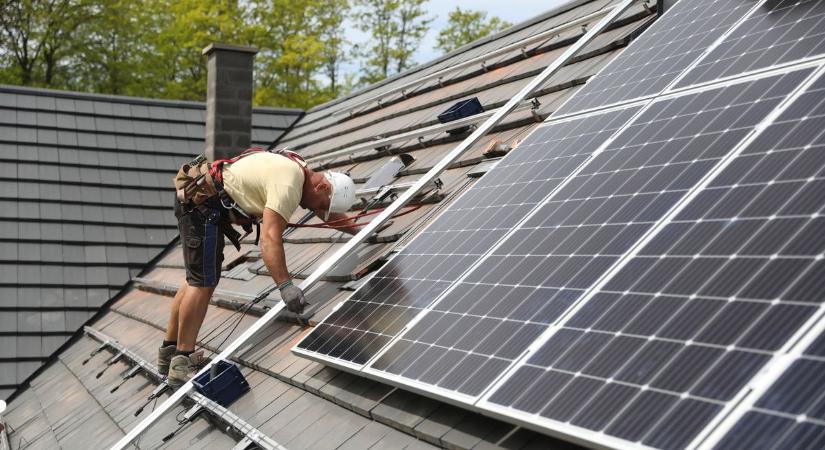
(388,171)
(385,215)
(223,384)
(460,110)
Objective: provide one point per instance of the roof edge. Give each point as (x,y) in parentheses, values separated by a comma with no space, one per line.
(131,100)
(77,334)
(513,29)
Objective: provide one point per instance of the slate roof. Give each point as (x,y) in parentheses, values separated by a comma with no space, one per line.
(296,402)
(85,189)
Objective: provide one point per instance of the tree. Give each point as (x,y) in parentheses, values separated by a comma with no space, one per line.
(152,48)
(300,41)
(396,28)
(332,15)
(35,37)
(113,50)
(179,31)
(465,26)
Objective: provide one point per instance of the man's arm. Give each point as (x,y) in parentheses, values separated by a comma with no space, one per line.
(348,225)
(272,251)
(272,245)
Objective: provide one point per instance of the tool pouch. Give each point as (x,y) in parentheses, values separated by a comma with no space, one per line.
(194,184)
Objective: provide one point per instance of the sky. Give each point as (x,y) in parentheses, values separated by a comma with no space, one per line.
(513,11)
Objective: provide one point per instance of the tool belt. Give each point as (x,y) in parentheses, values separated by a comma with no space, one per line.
(196,188)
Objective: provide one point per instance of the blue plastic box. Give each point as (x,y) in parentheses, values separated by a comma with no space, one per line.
(462,109)
(226,387)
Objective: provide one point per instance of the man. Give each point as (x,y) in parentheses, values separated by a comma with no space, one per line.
(267,186)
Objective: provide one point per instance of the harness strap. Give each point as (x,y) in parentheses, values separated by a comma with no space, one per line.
(216,167)
(216,173)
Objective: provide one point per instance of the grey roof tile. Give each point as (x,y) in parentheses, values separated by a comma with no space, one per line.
(404,410)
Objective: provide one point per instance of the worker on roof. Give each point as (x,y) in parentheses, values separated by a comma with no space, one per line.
(258,187)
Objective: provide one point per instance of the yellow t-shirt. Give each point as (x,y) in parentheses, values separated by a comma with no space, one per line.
(265,180)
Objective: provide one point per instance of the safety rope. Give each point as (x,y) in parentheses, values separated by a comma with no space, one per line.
(339,223)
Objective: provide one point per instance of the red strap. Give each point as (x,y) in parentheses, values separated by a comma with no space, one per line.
(216,168)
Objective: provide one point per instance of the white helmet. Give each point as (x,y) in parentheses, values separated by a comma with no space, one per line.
(343,192)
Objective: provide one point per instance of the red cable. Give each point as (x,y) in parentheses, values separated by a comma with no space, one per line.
(331,224)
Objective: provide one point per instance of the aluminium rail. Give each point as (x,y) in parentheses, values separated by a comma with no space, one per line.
(251,435)
(520,45)
(388,212)
(413,134)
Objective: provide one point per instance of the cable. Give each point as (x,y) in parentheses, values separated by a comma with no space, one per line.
(332,223)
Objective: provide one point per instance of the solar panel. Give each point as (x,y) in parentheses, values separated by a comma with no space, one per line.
(497,310)
(782,232)
(791,414)
(407,284)
(659,55)
(655,353)
(779,31)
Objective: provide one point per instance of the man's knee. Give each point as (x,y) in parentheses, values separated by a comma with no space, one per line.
(199,293)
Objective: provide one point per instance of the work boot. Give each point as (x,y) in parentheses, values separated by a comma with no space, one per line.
(181,369)
(165,355)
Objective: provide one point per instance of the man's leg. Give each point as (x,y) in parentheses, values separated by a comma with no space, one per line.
(169,346)
(192,310)
(172,325)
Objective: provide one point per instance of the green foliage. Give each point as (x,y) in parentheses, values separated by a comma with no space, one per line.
(152,48)
(35,37)
(396,28)
(300,42)
(465,26)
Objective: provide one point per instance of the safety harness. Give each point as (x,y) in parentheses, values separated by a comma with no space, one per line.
(200,184)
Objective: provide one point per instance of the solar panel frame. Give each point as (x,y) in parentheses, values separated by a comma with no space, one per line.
(567,430)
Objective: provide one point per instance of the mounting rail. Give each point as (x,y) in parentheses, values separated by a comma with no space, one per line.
(388,212)
(478,60)
(418,133)
(249,434)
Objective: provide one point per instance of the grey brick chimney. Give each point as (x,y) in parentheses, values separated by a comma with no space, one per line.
(228,99)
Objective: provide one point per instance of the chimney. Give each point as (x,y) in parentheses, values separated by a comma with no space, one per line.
(228,99)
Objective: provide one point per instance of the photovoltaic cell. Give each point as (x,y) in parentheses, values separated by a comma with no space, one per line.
(378,311)
(659,55)
(791,414)
(677,331)
(779,31)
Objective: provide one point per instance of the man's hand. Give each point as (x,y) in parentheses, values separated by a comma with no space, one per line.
(293,297)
